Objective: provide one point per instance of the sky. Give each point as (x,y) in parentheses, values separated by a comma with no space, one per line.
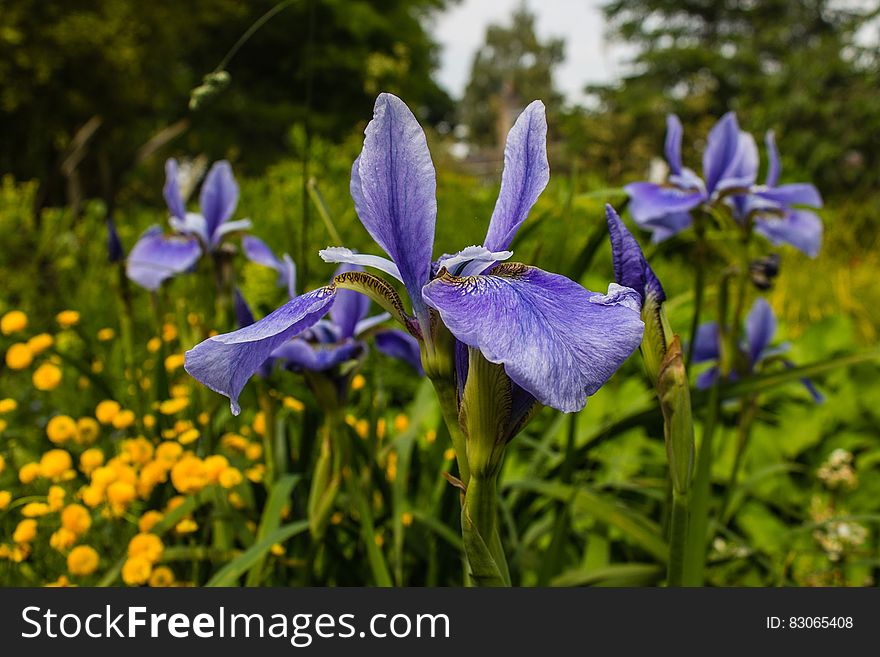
(589,59)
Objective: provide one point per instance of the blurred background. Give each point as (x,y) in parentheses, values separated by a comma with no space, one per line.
(96,94)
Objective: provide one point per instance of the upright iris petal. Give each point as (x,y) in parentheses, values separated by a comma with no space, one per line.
(219,197)
(224,363)
(394,190)
(555,339)
(156,258)
(672,148)
(722,147)
(760,327)
(171,191)
(526,174)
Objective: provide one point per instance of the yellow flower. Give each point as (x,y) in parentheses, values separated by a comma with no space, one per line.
(401,423)
(256,473)
(381,426)
(172,406)
(449,454)
(230,477)
(236,500)
(149,421)
(2,426)
(294,404)
(34,509)
(362,427)
(87,431)
(406,518)
(55,498)
(25,531)
(234,441)
(91,459)
(120,494)
(40,342)
(92,495)
(168,452)
(5,499)
(204,418)
(2,464)
(260,424)
(82,560)
(154,345)
(277,549)
(123,419)
(136,571)
(106,334)
(336,518)
(152,474)
(55,463)
(47,377)
(358,382)
(138,450)
(13,322)
(76,519)
(67,318)
(7,405)
(189,475)
(173,362)
(106,411)
(97,366)
(253,451)
(431,436)
(161,576)
(62,539)
(189,436)
(169,332)
(146,546)
(60,429)
(149,520)
(186,526)
(214,465)
(28,472)
(18,356)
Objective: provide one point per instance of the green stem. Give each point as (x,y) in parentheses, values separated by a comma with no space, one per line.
(678,539)
(479,517)
(699,285)
(744,431)
(448,397)
(262,20)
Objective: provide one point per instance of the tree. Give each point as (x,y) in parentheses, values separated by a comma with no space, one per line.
(511,69)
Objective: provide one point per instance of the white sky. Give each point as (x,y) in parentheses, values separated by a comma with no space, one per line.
(461,30)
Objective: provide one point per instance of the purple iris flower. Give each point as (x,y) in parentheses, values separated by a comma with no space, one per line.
(755,346)
(630,267)
(730,172)
(557,341)
(256,250)
(156,257)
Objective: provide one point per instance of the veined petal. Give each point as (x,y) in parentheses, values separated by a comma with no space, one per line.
(557,340)
(224,363)
(192,224)
(722,146)
(707,343)
(350,306)
(674,133)
(649,201)
(630,267)
(219,196)
(760,327)
(401,345)
(471,261)
(774,165)
(300,355)
(171,191)
(394,190)
(800,228)
(526,174)
(156,258)
(792,194)
(342,254)
(229,227)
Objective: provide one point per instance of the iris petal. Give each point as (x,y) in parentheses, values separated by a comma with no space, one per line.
(722,146)
(760,327)
(557,340)
(774,166)
(401,345)
(229,227)
(800,228)
(792,194)
(224,363)
(342,254)
(673,143)
(526,174)
(156,258)
(192,224)
(350,307)
(630,267)
(471,260)
(394,190)
(171,191)
(650,202)
(300,355)
(219,196)
(706,343)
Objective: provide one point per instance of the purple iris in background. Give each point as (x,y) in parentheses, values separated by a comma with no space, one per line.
(730,171)
(557,341)
(157,257)
(256,250)
(755,347)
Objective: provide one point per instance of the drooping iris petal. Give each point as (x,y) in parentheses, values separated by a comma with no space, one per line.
(650,202)
(706,343)
(630,267)
(192,224)
(471,260)
(401,345)
(224,363)
(156,258)
(243,314)
(669,225)
(171,191)
(674,133)
(800,228)
(760,327)
(350,306)
(300,355)
(394,190)
(555,339)
(792,194)
(342,254)
(722,146)
(256,250)
(219,196)
(526,174)
(774,165)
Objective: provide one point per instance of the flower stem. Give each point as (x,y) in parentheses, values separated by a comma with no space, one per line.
(678,538)
(479,521)
(448,396)
(747,416)
(699,285)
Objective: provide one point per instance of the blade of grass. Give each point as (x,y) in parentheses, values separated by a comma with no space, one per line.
(279,496)
(232,571)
